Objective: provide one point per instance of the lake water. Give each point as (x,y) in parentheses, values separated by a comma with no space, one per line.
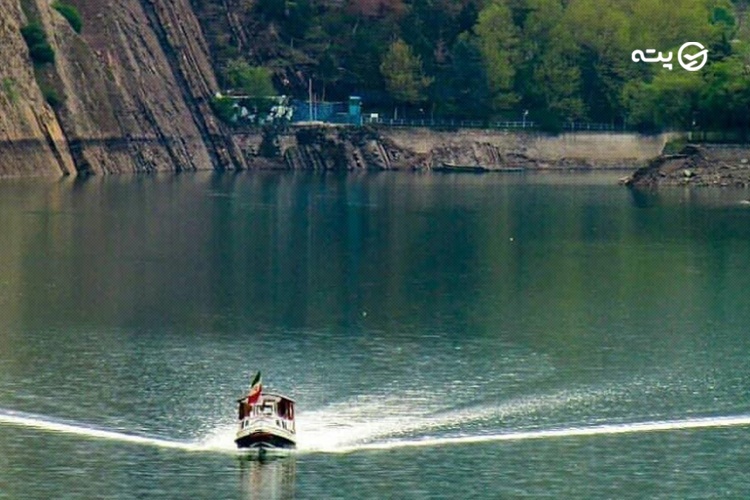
(445,336)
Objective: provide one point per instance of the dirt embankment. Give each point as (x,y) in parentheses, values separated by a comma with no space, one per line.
(706,165)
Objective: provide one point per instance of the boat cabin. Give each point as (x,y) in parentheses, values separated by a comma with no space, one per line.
(270,406)
(266,424)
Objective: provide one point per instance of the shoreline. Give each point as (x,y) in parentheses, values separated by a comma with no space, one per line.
(466,151)
(384,148)
(612,175)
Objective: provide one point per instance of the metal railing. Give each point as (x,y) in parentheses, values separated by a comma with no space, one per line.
(447,123)
(501,125)
(594,127)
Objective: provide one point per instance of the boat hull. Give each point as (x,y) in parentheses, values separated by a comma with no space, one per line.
(264,440)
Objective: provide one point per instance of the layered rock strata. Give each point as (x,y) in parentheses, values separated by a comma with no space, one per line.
(131,92)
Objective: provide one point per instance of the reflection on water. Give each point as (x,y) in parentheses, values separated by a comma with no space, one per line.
(267,478)
(643,198)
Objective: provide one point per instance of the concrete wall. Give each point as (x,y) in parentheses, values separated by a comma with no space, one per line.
(592,147)
(598,146)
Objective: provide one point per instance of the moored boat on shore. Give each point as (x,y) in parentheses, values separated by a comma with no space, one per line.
(452,167)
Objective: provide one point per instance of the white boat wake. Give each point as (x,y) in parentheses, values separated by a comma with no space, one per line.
(326,441)
(350,423)
(598,430)
(21,419)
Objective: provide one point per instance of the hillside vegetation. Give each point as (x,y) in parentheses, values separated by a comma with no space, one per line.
(562,60)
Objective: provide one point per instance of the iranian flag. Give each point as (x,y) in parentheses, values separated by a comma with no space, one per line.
(255,389)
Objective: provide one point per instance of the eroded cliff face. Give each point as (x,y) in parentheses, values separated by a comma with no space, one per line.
(31,140)
(324,148)
(134,90)
(337,148)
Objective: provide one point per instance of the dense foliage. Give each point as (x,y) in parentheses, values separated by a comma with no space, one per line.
(39,48)
(252,81)
(562,60)
(70,13)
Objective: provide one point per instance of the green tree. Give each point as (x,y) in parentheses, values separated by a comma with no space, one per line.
(375,8)
(497,39)
(462,91)
(253,81)
(39,49)
(557,90)
(725,96)
(671,100)
(71,14)
(403,74)
(601,31)
(327,70)
(548,77)
(223,108)
(656,26)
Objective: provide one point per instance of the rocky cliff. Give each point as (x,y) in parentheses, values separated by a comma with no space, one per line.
(31,139)
(131,91)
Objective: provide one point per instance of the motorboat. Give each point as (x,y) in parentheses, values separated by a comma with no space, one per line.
(266,420)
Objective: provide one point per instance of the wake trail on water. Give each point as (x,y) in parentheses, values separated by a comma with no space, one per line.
(221,439)
(371,419)
(599,430)
(21,419)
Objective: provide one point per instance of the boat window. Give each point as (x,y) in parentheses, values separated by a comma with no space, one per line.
(283,409)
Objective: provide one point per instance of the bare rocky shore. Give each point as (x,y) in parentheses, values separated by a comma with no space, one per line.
(475,150)
(694,165)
